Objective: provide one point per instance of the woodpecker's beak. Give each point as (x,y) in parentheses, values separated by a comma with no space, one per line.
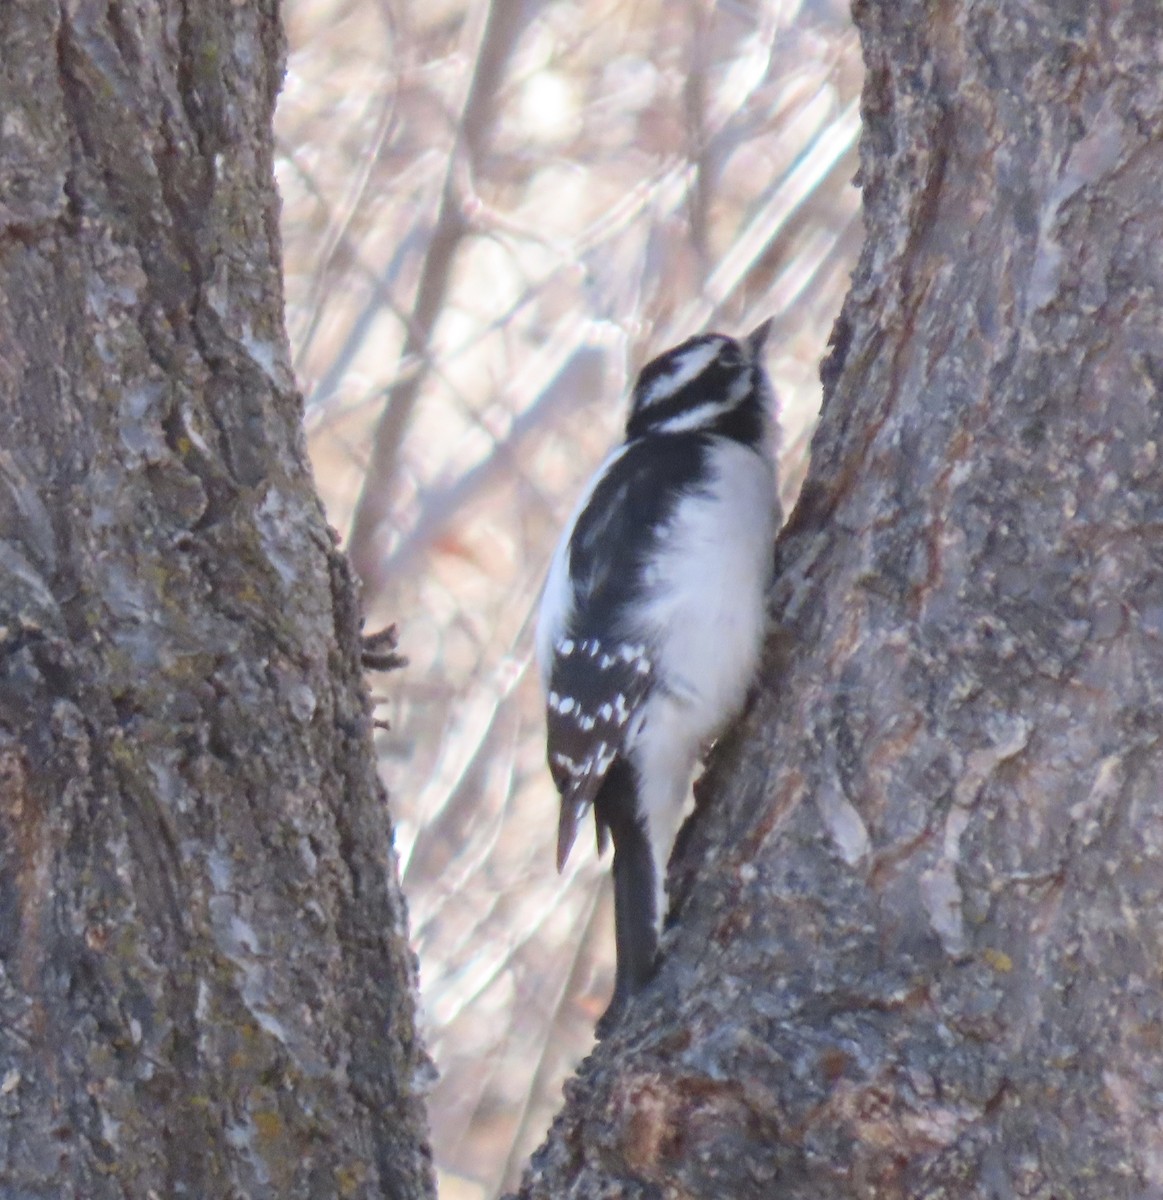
(572,812)
(755,340)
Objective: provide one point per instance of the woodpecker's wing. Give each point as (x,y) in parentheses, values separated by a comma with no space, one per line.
(618,530)
(596,690)
(557,597)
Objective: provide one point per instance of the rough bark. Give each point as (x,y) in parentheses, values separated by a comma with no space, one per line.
(917,944)
(205,987)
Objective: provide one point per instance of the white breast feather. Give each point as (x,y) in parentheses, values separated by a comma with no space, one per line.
(708,591)
(709,595)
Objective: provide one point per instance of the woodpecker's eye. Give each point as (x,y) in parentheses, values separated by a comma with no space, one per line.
(731,357)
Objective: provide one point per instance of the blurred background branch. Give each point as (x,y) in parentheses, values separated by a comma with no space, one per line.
(493,215)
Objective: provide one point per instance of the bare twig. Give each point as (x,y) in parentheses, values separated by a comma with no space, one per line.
(502,25)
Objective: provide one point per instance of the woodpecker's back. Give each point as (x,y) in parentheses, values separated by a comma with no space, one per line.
(652,619)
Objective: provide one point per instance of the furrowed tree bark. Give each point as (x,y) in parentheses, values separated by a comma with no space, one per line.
(917,944)
(205,984)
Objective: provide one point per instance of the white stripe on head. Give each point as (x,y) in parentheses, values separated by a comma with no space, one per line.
(689,365)
(706,414)
(693,418)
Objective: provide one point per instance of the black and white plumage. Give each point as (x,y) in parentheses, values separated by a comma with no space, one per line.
(652,618)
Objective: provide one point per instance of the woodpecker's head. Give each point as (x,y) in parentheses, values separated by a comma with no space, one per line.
(711,383)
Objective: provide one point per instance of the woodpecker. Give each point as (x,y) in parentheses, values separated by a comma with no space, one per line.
(652,618)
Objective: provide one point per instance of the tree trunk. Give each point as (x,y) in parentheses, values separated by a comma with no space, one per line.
(205,985)
(917,946)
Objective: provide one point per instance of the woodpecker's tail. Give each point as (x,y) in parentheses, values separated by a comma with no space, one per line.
(635,923)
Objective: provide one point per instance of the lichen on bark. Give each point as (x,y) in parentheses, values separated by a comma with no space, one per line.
(205,982)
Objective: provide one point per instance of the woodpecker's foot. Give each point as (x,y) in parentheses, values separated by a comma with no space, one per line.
(378,650)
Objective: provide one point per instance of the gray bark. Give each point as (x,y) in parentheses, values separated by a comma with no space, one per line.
(205,984)
(917,944)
